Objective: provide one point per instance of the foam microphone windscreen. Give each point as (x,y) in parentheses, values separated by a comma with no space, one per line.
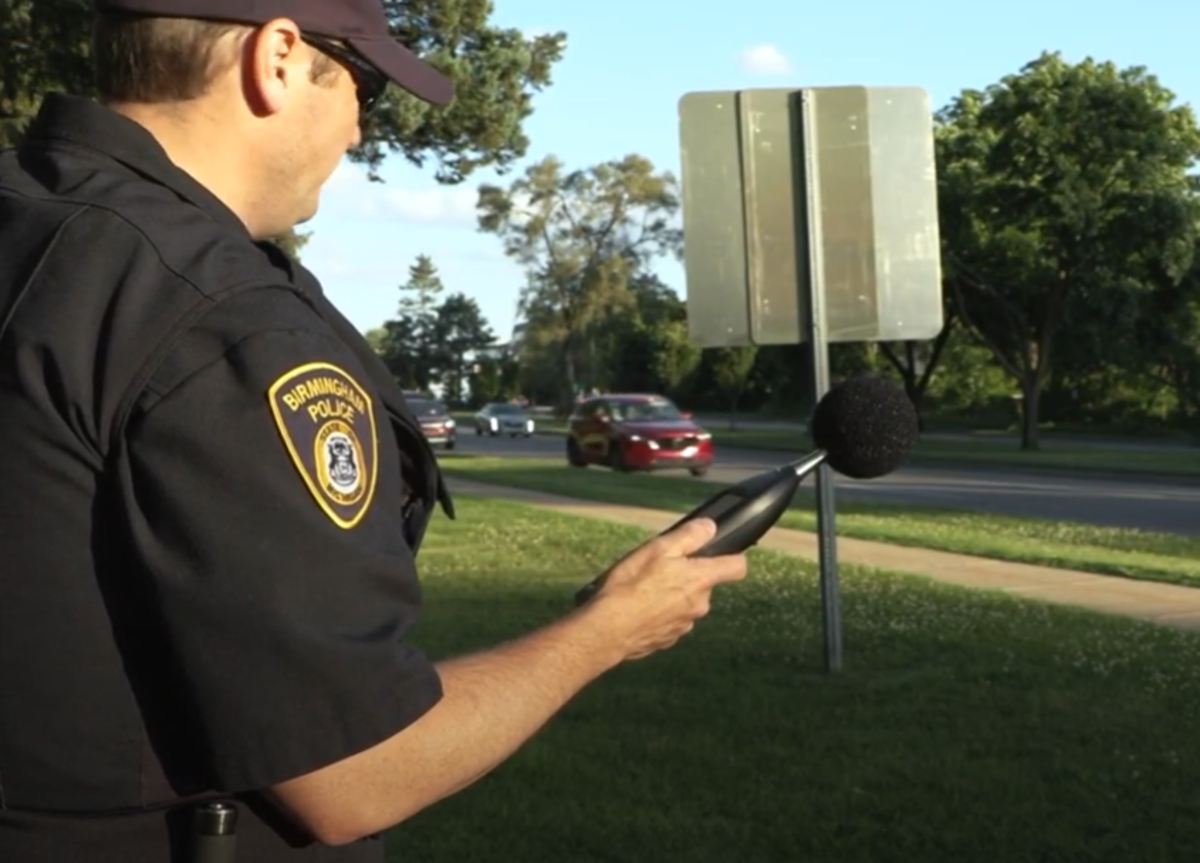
(866,425)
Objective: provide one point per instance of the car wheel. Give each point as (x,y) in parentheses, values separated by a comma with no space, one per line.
(575,457)
(478,431)
(698,471)
(450,444)
(616,458)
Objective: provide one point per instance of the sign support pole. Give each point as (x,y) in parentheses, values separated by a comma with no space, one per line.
(810,268)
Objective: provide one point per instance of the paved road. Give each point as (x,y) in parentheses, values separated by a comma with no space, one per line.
(1114,503)
(1050,440)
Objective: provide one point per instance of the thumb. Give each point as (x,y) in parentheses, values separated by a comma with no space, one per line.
(687,538)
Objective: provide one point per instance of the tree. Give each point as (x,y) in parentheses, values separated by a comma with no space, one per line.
(292,242)
(410,347)
(419,295)
(459,329)
(731,368)
(915,363)
(408,366)
(45,47)
(581,236)
(663,316)
(377,338)
(1059,187)
(1166,337)
(485,381)
(496,72)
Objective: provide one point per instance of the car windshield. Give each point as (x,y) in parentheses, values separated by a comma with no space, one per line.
(422,408)
(506,409)
(652,410)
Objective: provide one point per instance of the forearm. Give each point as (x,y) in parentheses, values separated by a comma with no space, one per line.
(494,702)
(498,699)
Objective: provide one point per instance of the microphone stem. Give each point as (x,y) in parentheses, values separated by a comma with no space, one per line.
(803,467)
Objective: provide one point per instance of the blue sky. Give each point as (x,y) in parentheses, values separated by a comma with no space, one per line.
(626,65)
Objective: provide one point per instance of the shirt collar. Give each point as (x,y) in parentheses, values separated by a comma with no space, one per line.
(85,123)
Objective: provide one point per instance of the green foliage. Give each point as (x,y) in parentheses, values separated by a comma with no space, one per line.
(419,294)
(484,381)
(292,242)
(583,238)
(410,349)
(1069,224)
(377,338)
(43,47)
(430,341)
(968,382)
(1061,189)
(459,329)
(731,370)
(916,362)
(642,345)
(1167,339)
(496,73)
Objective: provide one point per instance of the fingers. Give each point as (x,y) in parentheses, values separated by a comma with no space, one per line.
(687,538)
(724,569)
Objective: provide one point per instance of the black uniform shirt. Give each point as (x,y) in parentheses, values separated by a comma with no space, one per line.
(210,501)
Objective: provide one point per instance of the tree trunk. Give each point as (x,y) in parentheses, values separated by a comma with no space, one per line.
(733,409)
(1031,399)
(916,385)
(568,400)
(916,394)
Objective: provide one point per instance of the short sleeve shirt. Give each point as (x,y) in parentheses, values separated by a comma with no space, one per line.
(210,579)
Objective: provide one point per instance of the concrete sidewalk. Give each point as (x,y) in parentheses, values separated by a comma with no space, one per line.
(1165,604)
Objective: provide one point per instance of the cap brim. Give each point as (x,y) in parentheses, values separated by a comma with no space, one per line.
(405,68)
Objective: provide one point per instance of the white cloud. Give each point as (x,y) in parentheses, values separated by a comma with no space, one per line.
(349,194)
(764,60)
(450,205)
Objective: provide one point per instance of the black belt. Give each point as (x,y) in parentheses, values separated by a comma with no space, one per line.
(203,832)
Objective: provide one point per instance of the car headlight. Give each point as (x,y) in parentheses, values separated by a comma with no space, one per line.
(450,423)
(634,437)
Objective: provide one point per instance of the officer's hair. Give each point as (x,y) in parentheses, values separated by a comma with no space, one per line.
(152,60)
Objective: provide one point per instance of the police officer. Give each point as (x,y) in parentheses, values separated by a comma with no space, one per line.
(213,492)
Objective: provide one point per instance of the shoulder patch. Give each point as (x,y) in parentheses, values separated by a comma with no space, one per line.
(327,423)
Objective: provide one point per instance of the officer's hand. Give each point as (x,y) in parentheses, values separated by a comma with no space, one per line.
(654,595)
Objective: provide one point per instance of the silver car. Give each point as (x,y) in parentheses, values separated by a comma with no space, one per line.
(504,418)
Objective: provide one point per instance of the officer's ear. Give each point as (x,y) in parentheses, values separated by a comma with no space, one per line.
(275,65)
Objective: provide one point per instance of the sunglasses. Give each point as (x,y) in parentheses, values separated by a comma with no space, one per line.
(367,79)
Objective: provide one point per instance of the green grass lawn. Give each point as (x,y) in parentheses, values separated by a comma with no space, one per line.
(966,726)
(1111,551)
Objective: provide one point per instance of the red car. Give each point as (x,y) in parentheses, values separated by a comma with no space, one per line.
(637,432)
